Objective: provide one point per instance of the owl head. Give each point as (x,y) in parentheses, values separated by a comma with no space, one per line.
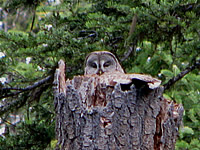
(99,62)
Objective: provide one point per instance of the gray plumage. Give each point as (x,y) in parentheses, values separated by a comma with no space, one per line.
(99,62)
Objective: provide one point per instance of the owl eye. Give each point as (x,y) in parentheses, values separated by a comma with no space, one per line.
(93,65)
(106,64)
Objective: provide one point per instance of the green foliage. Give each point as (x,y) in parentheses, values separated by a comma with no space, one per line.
(29,136)
(165,41)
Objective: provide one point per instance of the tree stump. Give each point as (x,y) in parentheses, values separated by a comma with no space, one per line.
(114,112)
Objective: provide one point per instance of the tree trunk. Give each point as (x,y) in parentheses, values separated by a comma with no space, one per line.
(114,112)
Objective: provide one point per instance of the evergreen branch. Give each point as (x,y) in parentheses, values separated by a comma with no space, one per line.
(12,88)
(33,20)
(6,121)
(16,104)
(28,88)
(131,31)
(133,25)
(126,55)
(20,102)
(181,75)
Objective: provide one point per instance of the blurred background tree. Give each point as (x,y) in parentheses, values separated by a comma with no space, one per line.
(160,38)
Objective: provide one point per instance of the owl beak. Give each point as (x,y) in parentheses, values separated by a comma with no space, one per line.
(100,72)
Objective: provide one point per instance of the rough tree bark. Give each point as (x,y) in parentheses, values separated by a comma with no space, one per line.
(114,112)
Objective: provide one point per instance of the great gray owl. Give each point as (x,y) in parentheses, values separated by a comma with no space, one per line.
(99,62)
